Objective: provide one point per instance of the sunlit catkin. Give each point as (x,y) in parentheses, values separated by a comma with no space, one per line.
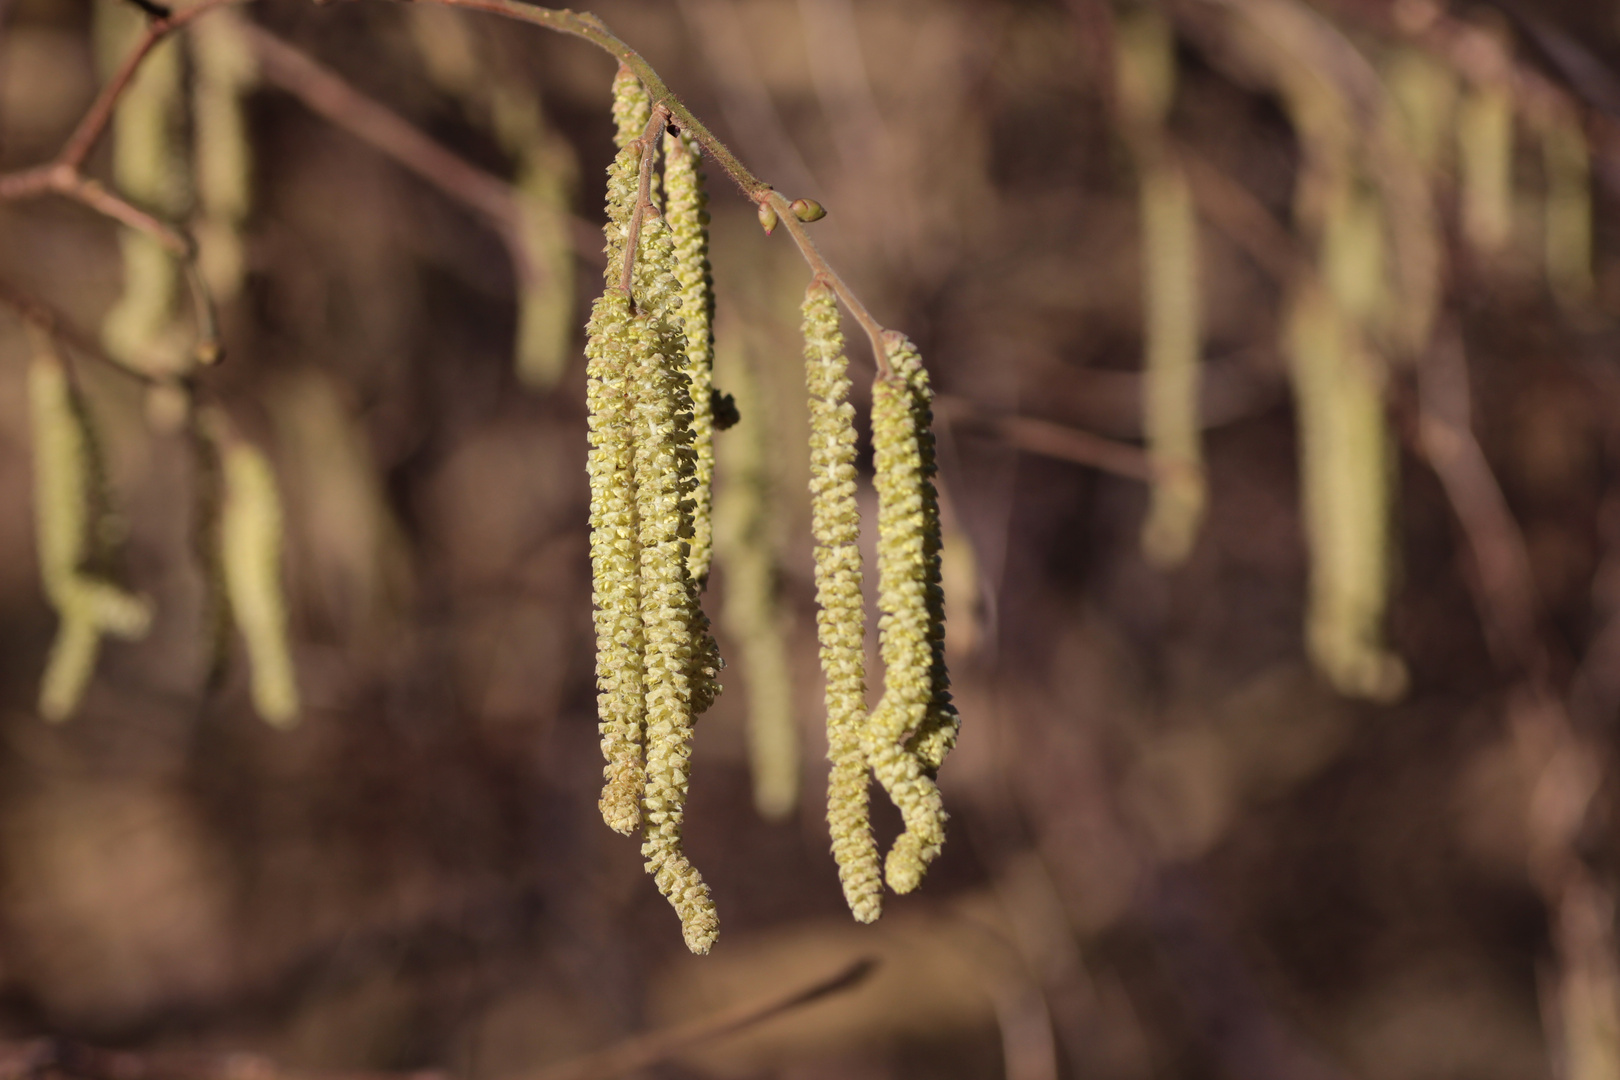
(752,615)
(688,217)
(934,740)
(224,71)
(615,559)
(1346,467)
(1485,166)
(1567,164)
(672,623)
(250,534)
(841,620)
(906,631)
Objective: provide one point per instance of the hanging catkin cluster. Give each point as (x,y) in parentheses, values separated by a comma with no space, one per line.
(905,739)
(656,659)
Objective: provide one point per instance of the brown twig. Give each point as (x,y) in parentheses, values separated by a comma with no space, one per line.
(1051,440)
(648,142)
(647,1050)
(823,270)
(95,120)
(37,312)
(331,97)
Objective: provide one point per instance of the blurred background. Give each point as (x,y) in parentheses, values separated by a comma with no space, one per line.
(1310,779)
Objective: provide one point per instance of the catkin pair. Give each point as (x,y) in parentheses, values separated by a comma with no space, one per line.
(905,739)
(656,660)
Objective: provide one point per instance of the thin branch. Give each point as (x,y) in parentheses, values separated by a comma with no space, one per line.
(331,97)
(1051,440)
(95,121)
(589,28)
(33,310)
(822,269)
(644,1051)
(648,143)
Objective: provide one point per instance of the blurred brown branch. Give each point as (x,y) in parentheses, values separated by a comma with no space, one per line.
(58,1059)
(330,96)
(1049,439)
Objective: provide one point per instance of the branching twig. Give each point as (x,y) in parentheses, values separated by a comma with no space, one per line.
(328,95)
(37,312)
(647,1050)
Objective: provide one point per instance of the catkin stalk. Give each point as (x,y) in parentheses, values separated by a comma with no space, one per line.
(250,532)
(914,706)
(841,620)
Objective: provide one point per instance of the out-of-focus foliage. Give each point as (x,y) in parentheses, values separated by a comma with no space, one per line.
(1328,797)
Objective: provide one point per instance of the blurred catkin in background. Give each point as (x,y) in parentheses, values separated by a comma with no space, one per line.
(1271,351)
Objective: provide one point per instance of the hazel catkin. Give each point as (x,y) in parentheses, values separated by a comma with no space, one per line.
(841,620)
(909,633)
(688,217)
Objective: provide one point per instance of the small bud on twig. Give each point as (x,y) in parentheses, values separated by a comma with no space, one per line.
(767,218)
(807,210)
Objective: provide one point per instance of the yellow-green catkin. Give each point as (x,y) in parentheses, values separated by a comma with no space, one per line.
(1146,72)
(1346,475)
(841,620)
(632,111)
(615,560)
(911,641)
(546,300)
(1424,92)
(149,167)
(1566,162)
(745,550)
(223,73)
(250,536)
(1485,165)
(672,622)
(688,217)
(76,536)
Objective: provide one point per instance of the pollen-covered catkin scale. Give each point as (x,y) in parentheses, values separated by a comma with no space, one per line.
(841,620)
(906,630)
(688,219)
(250,536)
(615,559)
